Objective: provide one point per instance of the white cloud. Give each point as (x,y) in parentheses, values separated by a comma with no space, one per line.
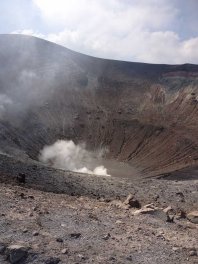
(114,14)
(135,30)
(29,32)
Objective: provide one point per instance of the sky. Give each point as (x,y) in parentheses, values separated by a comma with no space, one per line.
(153,31)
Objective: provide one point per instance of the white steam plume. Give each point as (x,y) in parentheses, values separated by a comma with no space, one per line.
(65,154)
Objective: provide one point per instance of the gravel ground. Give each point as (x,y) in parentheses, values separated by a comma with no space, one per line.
(94,224)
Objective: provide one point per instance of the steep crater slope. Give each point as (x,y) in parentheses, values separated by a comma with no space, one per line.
(145,114)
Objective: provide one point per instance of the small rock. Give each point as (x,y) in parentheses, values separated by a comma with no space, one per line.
(156,197)
(192,253)
(132,202)
(170,213)
(35,208)
(64,251)
(112,259)
(60,240)
(175,249)
(21,178)
(16,253)
(31,196)
(25,230)
(180,215)
(52,260)
(106,237)
(2,248)
(146,209)
(193,217)
(22,195)
(129,258)
(170,219)
(30,214)
(93,216)
(119,222)
(81,257)
(167,209)
(180,196)
(35,233)
(75,235)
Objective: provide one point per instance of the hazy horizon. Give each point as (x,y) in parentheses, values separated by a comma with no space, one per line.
(151,31)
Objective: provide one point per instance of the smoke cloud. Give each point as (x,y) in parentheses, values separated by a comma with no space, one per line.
(65,154)
(5,101)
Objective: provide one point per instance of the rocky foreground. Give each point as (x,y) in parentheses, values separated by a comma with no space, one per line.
(137,221)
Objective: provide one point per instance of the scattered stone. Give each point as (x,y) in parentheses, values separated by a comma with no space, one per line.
(180,215)
(16,253)
(21,178)
(60,240)
(167,209)
(31,196)
(52,260)
(75,235)
(176,249)
(81,257)
(129,258)
(93,216)
(25,230)
(131,202)
(193,217)
(170,219)
(107,200)
(180,196)
(119,222)
(22,195)
(2,248)
(106,237)
(35,208)
(64,251)
(193,252)
(119,204)
(146,209)
(156,197)
(30,214)
(112,258)
(170,214)
(35,233)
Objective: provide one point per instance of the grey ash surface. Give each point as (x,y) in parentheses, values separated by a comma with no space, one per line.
(82,218)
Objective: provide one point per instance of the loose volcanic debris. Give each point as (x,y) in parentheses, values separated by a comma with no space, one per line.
(65,232)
